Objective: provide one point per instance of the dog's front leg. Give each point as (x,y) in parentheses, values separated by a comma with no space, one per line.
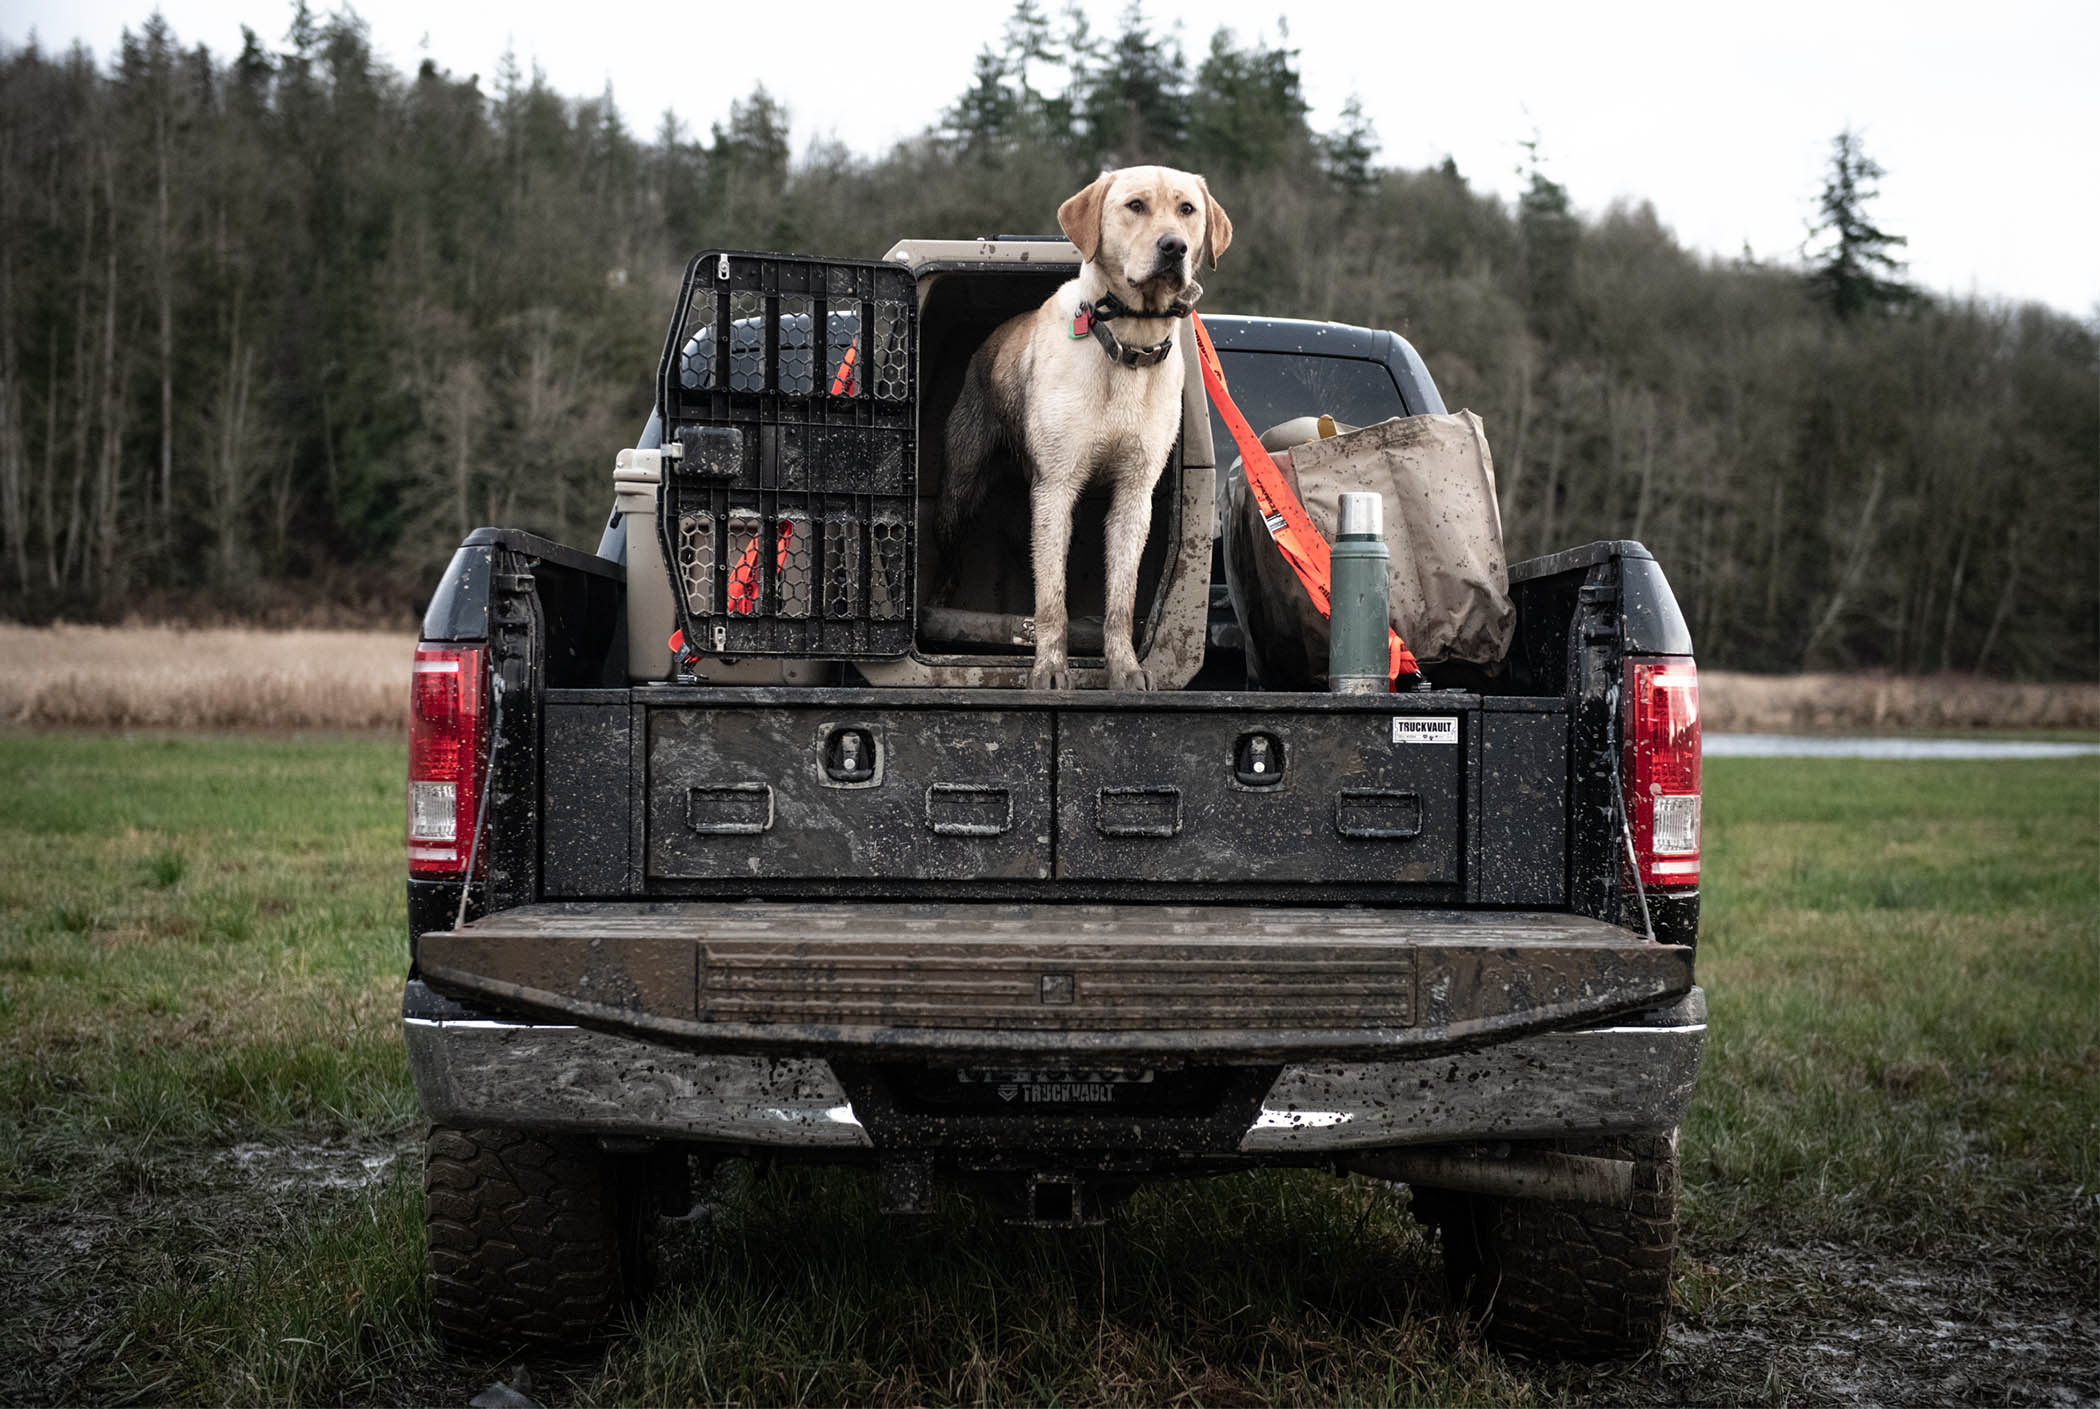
(1129,520)
(1051,500)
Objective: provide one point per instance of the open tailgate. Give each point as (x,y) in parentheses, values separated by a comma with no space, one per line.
(922,978)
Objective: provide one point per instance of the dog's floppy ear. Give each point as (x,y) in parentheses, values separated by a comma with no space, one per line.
(1217,226)
(1080,217)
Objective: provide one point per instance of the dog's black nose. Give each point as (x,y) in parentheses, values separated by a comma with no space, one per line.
(1172,246)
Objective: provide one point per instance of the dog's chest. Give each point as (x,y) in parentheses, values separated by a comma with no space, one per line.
(1106,420)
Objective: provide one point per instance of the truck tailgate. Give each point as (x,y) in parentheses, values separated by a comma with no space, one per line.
(924,978)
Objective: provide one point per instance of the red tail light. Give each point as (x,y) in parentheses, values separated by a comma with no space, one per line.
(447,745)
(1660,771)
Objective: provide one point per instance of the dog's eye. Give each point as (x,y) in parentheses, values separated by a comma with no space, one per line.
(1138,206)
(1187,209)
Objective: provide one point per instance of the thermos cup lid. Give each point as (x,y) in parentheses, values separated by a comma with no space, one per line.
(1362,515)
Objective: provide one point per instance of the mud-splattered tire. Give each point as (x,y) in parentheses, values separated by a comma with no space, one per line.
(534,1240)
(1566,1280)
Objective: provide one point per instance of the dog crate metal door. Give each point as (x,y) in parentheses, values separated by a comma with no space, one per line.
(789,389)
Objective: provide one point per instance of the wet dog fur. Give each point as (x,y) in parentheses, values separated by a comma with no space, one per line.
(1072,415)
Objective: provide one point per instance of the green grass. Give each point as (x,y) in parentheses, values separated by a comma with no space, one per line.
(1903,967)
(201,947)
(200,944)
(198,936)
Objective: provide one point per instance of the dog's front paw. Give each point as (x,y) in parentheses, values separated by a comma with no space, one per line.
(1128,678)
(1047,677)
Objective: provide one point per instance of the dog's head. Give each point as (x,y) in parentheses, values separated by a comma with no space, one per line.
(1146,226)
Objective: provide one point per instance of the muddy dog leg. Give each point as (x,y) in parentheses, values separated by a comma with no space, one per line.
(1129,520)
(1051,500)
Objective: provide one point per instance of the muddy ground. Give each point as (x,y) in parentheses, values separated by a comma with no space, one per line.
(69,1268)
(1816,1324)
(1832,1324)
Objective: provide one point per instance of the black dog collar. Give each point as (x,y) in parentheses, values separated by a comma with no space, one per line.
(1095,317)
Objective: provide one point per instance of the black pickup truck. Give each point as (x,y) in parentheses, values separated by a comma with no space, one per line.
(825,882)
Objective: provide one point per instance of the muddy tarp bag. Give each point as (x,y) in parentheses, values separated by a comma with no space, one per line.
(1448,594)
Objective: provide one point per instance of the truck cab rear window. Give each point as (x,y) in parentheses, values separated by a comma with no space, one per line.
(1273,387)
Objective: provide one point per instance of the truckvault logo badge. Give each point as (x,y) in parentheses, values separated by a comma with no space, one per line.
(1055,1088)
(1432,730)
(1057,988)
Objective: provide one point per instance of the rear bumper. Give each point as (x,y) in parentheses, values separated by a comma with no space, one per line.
(1635,1074)
(472,1071)
(1630,1076)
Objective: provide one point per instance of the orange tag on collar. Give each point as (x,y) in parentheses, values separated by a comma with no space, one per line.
(1083,323)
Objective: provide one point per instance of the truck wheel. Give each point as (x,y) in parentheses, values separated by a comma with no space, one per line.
(1567,1280)
(534,1240)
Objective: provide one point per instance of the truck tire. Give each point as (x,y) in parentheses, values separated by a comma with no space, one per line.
(534,1240)
(1567,1280)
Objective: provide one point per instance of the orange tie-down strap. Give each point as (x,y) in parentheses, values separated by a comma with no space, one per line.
(1296,538)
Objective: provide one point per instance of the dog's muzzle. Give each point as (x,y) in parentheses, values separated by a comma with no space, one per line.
(1170,264)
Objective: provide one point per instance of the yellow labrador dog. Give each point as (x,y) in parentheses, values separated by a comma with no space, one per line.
(1087,387)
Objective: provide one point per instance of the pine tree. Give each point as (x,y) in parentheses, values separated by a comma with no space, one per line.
(1547,235)
(1136,95)
(1346,152)
(982,121)
(1856,273)
(1248,110)
(751,154)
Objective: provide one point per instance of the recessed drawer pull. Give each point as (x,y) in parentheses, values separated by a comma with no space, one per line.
(730,809)
(1377,814)
(969,810)
(1138,812)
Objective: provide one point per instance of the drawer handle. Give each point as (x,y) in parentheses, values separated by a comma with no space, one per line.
(1376,814)
(1138,812)
(969,810)
(730,809)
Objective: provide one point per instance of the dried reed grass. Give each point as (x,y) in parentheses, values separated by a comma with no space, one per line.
(160,677)
(1825,704)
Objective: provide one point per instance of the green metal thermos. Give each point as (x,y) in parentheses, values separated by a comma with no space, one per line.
(1356,626)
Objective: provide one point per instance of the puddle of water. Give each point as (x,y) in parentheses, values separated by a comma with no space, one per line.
(1821,746)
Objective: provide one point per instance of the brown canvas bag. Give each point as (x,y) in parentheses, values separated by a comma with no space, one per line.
(1449,590)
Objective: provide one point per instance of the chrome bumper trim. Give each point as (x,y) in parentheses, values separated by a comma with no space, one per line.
(1596,1081)
(473,1072)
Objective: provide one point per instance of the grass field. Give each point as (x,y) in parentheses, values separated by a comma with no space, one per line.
(209,1183)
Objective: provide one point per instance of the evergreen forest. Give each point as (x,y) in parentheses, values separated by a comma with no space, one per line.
(281,325)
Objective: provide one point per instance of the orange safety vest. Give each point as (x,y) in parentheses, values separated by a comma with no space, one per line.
(1296,538)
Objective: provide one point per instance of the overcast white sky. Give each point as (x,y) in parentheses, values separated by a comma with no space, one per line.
(1986,115)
